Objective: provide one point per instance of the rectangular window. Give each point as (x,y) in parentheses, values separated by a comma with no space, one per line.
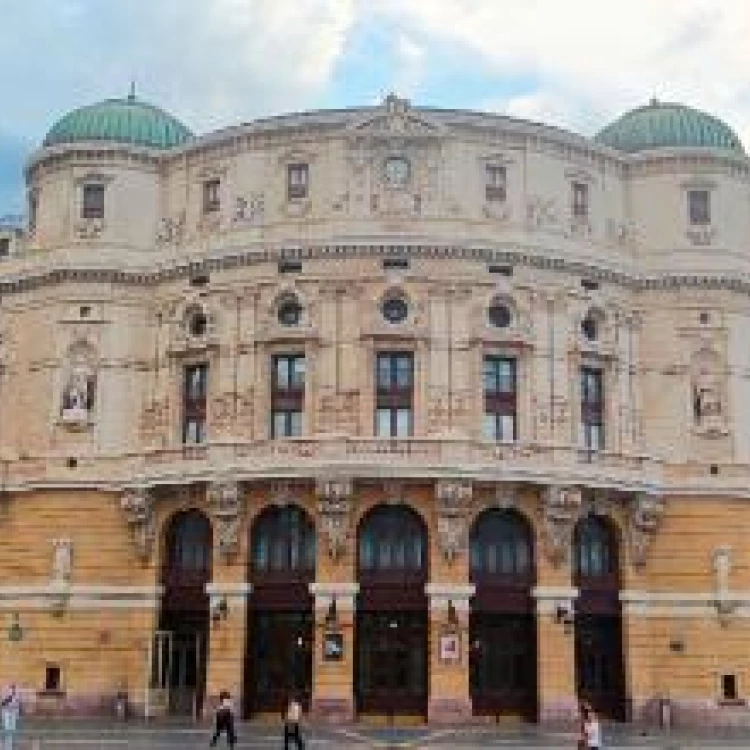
(211,196)
(729,687)
(495,185)
(699,206)
(4,247)
(194,399)
(287,395)
(500,399)
(580,196)
(52,678)
(394,376)
(297,181)
(93,201)
(592,408)
(33,203)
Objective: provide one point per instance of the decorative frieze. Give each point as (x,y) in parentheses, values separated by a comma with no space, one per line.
(560,507)
(645,517)
(454,497)
(225,502)
(138,504)
(335,505)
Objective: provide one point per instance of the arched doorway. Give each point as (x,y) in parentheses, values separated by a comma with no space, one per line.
(181,644)
(598,620)
(280,619)
(502,628)
(392,624)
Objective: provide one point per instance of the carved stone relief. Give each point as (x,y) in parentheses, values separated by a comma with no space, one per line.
(79,390)
(138,503)
(560,507)
(454,498)
(708,392)
(62,561)
(645,517)
(541,213)
(335,509)
(171,230)
(224,499)
(89,229)
(250,210)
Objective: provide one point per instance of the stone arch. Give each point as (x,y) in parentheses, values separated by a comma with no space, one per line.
(187,537)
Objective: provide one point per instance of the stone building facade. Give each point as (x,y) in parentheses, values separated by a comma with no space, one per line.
(409,411)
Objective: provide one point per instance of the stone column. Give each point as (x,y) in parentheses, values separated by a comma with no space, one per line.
(449,699)
(555,598)
(226,648)
(333,655)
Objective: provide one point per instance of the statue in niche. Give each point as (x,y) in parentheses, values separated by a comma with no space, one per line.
(78,396)
(708,408)
(62,561)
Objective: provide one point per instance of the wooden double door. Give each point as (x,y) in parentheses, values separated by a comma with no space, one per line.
(391,662)
(502,668)
(279,659)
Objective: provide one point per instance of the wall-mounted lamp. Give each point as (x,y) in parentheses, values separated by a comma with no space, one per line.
(220,609)
(565,616)
(452,614)
(331,615)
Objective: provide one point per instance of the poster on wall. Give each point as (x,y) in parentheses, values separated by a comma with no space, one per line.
(450,648)
(333,647)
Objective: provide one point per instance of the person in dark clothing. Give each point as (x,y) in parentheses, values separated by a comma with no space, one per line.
(224,721)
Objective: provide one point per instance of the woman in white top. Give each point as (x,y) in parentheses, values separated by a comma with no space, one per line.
(592,731)
(11,710)
(224,720)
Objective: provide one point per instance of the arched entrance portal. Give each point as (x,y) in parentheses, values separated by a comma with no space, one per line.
(598,621)
(502,629)
(181,642)
(280,621)
(391,635)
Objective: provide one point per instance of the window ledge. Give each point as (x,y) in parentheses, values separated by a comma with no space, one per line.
(731,702)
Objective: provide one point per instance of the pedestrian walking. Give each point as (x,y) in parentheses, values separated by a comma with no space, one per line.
(591,734)
(10,704)
(292,719)
(224,720)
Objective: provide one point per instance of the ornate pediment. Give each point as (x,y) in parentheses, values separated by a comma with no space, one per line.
(395,119)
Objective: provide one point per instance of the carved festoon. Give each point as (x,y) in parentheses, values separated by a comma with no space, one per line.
(335,499)
(560,509)
(224,498)
(453,504)
(138,504)
(647,511)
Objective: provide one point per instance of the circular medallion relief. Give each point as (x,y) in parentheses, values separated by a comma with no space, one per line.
(395,310)
(397,171)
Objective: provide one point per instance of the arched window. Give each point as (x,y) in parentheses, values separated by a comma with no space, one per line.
(392,539)
(501,545)
(189,544)
(595,549)
(283,542)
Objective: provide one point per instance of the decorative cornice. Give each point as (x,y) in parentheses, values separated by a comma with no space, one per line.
(531,257)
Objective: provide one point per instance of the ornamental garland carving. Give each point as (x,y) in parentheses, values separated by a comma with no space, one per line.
(224,500)
(454,499)
(645,518)
(335,506)
(138,503)
(559,511)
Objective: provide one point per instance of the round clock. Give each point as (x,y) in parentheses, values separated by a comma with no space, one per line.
(397,171)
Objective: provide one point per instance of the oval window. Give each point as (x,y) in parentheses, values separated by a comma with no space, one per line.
(395,310)
(500,315)
(590,328)
(290,312)
(198,323)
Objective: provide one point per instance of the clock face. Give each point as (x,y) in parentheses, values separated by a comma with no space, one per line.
(396,170)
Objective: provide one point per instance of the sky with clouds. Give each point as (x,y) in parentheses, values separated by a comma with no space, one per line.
(576,64)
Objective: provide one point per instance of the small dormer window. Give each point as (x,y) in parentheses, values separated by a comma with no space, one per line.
(298,181)
(495,183)
(92,206)
(699,207)
(580,197)
(211,196)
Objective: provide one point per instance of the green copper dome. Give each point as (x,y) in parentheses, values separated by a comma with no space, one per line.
(120,121)
(660,125)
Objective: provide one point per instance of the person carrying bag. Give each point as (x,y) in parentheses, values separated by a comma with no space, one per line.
(292,719)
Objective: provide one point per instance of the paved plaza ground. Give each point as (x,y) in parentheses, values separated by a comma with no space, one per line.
(139,736)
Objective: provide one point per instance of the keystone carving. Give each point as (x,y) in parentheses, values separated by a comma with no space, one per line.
(453,502)
(560,508)
(138,504)
(646,516)
(226,507)
(335,500)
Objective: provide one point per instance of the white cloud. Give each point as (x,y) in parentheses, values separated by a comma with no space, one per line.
(594,58)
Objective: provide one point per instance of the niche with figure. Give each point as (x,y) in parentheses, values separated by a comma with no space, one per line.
(707,385)
(79,386)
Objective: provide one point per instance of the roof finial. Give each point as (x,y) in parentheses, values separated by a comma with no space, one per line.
(131,95)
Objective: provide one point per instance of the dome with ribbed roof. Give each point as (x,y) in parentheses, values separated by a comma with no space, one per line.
(663,125)
(129,120)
